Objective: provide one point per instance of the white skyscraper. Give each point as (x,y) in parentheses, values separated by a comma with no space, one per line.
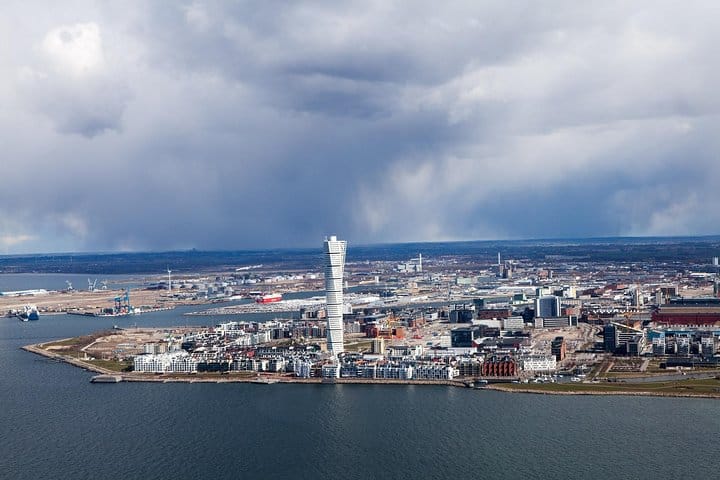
(334,266)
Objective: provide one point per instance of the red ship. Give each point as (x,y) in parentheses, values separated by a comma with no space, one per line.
(269,298)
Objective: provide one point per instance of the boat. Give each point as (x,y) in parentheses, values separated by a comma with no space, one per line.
(29,312)
(269,298)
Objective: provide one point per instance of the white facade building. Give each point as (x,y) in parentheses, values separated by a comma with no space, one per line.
(164,362)
(708,345)
(334,267)
(331,370)
(658,345)
(539,363)
(513,323)
(302,368)
(401,372)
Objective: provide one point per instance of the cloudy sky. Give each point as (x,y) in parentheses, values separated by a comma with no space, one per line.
(230,125)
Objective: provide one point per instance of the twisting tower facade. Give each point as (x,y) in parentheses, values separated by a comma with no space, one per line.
(334,266)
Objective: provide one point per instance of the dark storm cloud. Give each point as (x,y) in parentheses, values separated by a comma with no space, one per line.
(230,125)
(87,110)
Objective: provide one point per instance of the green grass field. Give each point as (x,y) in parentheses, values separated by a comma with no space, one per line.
(113,365)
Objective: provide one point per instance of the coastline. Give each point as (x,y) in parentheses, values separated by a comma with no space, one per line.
(638,393)
(215,378)
(272,379)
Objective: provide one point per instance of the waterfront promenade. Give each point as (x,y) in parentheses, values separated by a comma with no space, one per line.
(690,388)
(227,378)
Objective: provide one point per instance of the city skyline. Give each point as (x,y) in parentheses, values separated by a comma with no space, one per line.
(152,126)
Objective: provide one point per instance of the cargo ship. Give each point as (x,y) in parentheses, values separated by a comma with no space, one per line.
(30,312)
(269,298)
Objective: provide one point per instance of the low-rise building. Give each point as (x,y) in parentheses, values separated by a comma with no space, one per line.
(162,362)
(538,363)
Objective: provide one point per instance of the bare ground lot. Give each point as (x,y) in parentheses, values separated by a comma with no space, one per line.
(93,302)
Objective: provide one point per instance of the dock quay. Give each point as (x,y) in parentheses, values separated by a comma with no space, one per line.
(106,379)
(106,315)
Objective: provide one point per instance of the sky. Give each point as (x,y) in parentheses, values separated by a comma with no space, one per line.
(149,125)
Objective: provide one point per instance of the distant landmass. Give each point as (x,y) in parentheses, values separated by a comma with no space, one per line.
(620,249)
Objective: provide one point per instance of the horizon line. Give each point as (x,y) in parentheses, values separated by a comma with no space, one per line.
(361,245)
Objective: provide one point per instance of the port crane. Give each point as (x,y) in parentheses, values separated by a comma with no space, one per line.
(122,304)
(92,285)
